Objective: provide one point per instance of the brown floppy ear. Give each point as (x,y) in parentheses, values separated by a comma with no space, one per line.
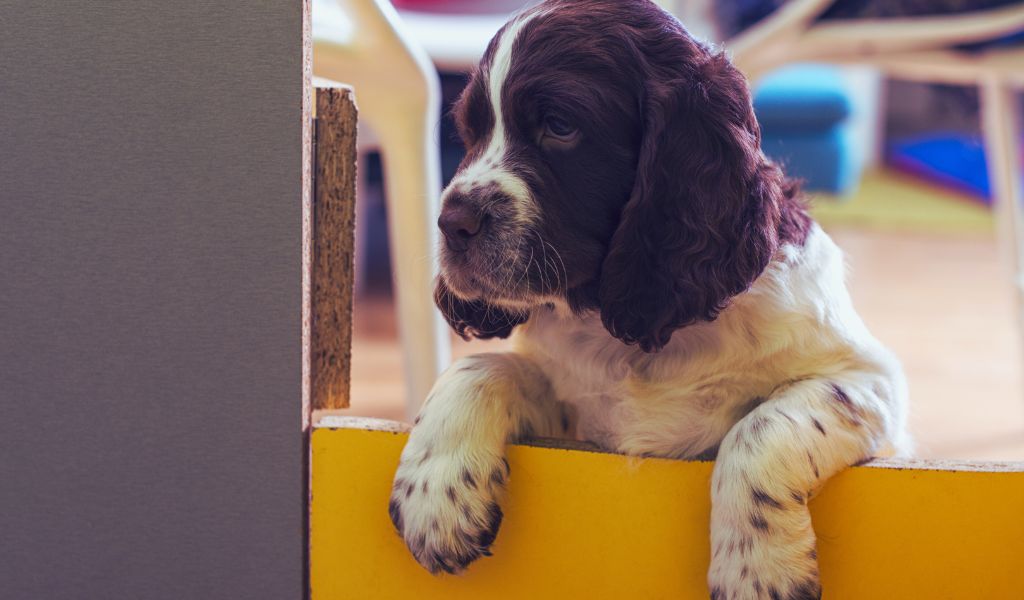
(701,223)
(475,318)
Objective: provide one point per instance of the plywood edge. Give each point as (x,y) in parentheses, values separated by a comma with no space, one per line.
(343,422)
(323,82)
(360,424)
(333,242)
(344,91)
(306,199)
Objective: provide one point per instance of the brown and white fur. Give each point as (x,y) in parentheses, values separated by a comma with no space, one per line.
(666,293)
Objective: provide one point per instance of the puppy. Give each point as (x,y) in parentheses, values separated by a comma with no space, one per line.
(666,292)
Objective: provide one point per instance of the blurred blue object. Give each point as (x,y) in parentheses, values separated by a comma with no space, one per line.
(952,159)
(804,114)
(826,160)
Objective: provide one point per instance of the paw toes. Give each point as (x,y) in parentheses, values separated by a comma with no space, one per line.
(809,590)
(740,577)
(453,521)
(395,511)
(486,536)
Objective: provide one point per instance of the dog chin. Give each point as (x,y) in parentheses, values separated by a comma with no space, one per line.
(472,288)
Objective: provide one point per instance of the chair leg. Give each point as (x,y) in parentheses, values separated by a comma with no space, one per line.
(359,252)
(1001,127)
(409,148)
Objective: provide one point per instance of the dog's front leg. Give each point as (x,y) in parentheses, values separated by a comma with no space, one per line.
(446,497)
(770,464)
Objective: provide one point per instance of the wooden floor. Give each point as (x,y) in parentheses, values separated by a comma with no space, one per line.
(942,302)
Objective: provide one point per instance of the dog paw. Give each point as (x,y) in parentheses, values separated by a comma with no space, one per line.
(745,569)
(446,508)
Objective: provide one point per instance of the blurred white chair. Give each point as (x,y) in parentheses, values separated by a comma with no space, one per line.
(456,41)
(364,44)
(922,49)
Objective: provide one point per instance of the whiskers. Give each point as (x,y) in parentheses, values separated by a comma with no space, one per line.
(533,272)
(557,268)
(519,272)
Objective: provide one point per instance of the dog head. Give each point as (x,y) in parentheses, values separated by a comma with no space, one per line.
(613,163)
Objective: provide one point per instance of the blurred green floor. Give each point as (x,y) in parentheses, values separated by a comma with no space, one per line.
(891,201)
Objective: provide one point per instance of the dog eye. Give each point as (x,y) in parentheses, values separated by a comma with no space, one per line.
(558,128)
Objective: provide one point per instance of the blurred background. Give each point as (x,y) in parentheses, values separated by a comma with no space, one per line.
(901,117)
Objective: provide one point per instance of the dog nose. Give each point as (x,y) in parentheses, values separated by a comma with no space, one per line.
(459,223)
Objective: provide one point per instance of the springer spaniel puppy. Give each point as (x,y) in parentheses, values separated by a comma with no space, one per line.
(666,292)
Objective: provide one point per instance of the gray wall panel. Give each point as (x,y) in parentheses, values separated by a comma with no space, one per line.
(150,276)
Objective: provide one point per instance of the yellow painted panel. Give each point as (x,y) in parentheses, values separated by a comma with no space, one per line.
(589,525)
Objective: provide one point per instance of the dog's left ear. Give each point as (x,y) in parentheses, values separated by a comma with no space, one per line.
(475,318)
(701,222)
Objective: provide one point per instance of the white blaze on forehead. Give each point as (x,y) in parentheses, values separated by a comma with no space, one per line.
(489,167)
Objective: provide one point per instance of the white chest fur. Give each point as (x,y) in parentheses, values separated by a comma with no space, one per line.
(795,322)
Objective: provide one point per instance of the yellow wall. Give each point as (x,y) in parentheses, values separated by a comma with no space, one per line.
(588,525)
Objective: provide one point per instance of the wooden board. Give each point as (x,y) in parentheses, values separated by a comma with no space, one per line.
(584,524)
(331,269)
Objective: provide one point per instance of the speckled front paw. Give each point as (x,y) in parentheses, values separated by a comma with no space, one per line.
(744,567)
(447,508)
